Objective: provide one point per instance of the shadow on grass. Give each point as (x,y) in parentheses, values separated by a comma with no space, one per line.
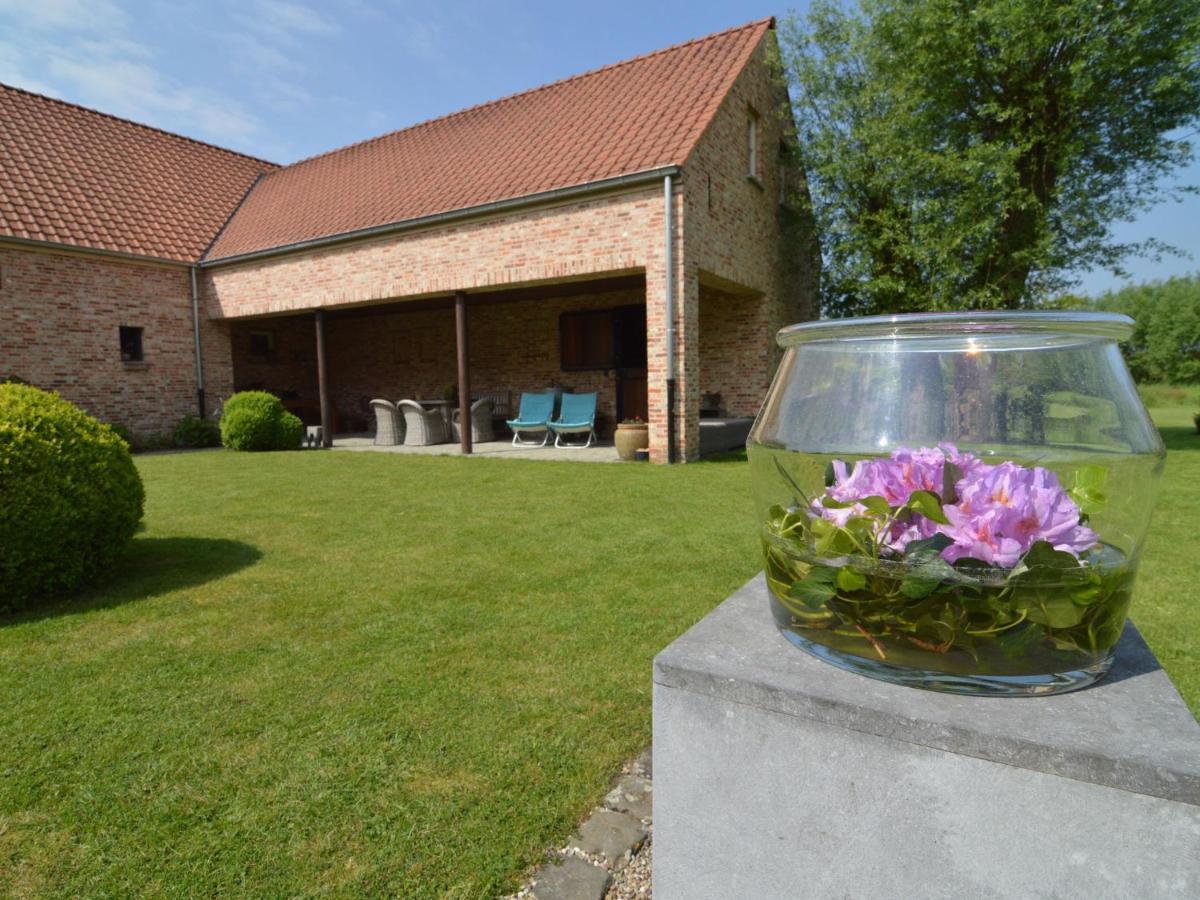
(150,567)
(1179,438)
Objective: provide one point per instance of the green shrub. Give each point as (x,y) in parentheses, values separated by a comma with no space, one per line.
(70,497)
(124,434)
(193,432)
(256,420)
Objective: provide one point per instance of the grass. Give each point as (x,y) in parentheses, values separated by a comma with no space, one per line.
(345,674)
(352,673)
(1166,602)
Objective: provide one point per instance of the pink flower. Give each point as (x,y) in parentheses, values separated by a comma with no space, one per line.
(998,514)
(1003,510)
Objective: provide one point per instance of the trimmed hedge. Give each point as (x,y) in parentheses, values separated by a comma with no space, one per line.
(256,420)
(193,432)
(70,497)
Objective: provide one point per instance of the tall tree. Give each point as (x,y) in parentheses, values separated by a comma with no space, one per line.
(975,153)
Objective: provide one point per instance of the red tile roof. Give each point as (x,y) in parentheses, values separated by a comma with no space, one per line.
(625,118)
(70,175)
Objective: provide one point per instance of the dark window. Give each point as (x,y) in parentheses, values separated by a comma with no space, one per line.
(262,346)
(131,344)
(586,340)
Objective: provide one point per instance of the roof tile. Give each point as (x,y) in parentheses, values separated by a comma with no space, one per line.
(83,178)
(629,117)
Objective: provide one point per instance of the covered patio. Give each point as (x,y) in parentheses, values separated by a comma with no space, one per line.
(444,352)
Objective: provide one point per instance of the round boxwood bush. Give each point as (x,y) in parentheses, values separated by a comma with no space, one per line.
(70,497)
(256,420)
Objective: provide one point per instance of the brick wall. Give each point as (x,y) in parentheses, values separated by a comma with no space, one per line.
(751,262)
(59,319)
(734,350)
(395,353)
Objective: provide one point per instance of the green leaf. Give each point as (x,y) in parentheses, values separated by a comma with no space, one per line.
(1089,486)
(816,588)
(924,579)
(928,546)
(928,505)
(850,580)
(877,506)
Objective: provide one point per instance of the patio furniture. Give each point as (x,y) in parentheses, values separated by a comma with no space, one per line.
(422,427)
(389,426)
(481,422)
(577,415)
(533,417)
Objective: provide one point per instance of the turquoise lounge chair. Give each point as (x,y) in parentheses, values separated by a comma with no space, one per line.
(576,415)
(533,417)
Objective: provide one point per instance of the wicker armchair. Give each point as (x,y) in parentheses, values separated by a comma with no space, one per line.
(422,426)
(481,422)
(389,426)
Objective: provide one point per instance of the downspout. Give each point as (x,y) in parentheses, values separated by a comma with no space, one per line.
(669,303)
(196,335)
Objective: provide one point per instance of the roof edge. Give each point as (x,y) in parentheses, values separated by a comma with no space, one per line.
(453,215)
(58,246)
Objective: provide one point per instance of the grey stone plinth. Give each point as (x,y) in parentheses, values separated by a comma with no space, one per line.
(778,775)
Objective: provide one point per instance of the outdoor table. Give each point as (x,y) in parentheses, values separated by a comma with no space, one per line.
(445,407)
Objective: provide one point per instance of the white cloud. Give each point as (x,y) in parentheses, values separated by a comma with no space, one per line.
(66,15)
(86,52)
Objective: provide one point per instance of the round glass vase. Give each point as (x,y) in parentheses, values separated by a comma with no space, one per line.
(956,501)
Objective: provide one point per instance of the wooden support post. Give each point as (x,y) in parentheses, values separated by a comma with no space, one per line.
(322,383)
(464,371)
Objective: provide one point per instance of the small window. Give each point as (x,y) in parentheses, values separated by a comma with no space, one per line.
(752,144)
(262,346)
(131,344)
(586,340)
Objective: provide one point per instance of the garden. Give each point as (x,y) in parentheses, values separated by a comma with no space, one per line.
(343,673)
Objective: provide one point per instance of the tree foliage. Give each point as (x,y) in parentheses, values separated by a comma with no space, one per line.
(974,153)
(1166,342)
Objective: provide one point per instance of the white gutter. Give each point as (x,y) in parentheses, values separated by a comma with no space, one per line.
(669,304)
(454,215)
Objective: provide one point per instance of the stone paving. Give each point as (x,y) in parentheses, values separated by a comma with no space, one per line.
(609,857)
(596,453)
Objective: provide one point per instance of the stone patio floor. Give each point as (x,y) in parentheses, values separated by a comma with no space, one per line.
(597,453)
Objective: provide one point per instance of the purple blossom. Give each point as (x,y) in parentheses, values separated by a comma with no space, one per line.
(998,514)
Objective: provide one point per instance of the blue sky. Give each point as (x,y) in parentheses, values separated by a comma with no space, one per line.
(285,79)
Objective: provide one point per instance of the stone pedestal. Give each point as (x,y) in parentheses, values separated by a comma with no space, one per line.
(778,775)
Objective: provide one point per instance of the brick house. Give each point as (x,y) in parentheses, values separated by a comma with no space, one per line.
(630,231)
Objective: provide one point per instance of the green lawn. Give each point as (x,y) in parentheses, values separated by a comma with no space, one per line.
(354,673)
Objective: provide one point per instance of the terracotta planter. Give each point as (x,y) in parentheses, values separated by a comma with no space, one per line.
(630,439)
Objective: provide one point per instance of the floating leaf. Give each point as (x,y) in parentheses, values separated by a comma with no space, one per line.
(850,580)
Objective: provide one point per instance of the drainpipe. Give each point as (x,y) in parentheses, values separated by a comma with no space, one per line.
(196,335)
(669,265)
